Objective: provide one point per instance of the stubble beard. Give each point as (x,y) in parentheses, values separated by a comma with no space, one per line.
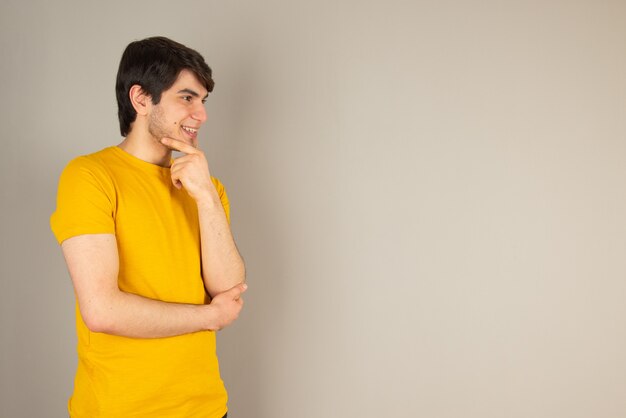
(156,126)
(158,129)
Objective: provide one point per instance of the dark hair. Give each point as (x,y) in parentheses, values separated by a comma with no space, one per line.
(154,64)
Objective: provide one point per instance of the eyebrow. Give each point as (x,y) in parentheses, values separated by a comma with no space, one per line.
(192,92)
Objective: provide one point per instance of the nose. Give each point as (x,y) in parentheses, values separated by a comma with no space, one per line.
(199,113)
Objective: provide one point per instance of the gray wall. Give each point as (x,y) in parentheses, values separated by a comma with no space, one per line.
(429,195)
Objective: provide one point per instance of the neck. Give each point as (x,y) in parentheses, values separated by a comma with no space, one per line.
(146,148)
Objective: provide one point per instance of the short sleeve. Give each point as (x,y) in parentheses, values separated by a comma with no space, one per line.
(221,191)
(85,201)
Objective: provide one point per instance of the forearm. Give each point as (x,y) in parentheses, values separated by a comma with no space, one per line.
(130,315)
(93,264)
(222,265)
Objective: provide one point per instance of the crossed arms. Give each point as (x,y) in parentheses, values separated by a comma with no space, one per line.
(93,263)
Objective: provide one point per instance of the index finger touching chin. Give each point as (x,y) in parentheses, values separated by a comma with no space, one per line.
(178,145)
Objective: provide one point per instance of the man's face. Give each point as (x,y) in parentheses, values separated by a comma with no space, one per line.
(181,112)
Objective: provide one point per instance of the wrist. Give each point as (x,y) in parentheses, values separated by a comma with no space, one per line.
(210,318)
(208,200)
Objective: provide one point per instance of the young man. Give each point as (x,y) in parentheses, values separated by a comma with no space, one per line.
(148,246)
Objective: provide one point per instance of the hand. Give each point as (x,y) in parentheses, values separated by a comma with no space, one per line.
(226,307)
(190,171)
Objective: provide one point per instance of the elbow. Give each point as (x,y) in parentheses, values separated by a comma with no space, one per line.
(98,325)
(238,277)
(242,274)
(98,319)
(214,286)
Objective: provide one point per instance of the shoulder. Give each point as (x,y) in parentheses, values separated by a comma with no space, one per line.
(96,161)
(95,165)
(89,172)
(86,199)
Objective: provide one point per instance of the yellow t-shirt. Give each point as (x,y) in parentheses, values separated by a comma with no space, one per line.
(158,238)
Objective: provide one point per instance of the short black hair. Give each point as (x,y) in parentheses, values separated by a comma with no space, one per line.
(154,64)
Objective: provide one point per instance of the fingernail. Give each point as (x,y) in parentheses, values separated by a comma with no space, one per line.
(245,286)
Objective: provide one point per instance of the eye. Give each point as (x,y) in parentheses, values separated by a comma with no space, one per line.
(203,101)
(187,98)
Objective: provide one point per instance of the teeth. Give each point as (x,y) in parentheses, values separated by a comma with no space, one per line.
(190,130)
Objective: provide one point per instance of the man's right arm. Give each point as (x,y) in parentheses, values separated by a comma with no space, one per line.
(93,263)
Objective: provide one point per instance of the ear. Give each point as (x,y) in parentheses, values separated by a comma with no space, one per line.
(140,100)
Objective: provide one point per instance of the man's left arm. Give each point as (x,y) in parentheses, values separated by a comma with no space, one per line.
(222,265)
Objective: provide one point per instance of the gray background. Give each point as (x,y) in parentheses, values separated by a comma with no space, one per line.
(429,195)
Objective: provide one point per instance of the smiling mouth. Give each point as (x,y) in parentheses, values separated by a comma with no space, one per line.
(193,132)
